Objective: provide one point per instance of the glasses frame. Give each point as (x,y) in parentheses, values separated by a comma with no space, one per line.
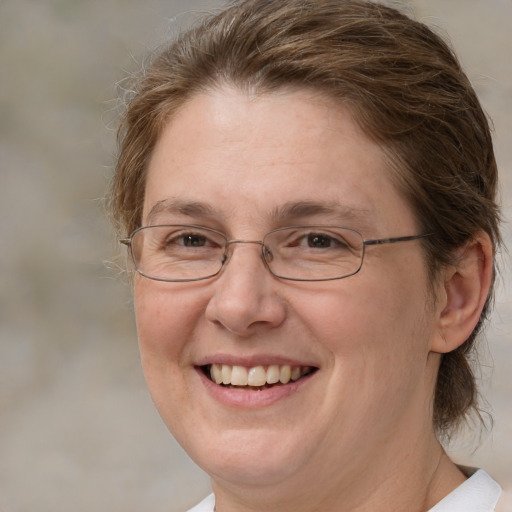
(228,242)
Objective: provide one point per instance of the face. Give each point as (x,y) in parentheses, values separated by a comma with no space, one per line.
(245,165)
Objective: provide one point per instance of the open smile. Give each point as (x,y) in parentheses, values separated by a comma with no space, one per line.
(255,377)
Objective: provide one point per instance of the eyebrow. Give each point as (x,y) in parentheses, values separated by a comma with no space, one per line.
(174,205)
(286,212)
(299,209)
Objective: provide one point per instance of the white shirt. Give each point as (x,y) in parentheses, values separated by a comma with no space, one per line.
(479,493)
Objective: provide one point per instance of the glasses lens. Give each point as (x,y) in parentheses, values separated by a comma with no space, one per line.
(313,253)
(178,253)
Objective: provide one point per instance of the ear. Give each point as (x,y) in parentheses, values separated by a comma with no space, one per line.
(463,295)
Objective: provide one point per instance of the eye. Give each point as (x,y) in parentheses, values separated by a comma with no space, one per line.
(192,240)
(319,240)
(177,239)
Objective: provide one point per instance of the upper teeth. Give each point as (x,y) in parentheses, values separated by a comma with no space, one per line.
(256,375)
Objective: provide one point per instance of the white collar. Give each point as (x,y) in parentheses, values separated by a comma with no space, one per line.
(479,493)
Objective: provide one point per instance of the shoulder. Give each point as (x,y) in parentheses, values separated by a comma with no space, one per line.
(207,505)
(479,493)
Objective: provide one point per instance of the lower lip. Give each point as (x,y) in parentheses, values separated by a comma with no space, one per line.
(247,398)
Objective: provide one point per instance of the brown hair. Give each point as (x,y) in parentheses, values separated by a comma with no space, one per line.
(404,87)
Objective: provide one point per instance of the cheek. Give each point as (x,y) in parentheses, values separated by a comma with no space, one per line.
(378,345)
(372,329)
(165,319)
(166,325)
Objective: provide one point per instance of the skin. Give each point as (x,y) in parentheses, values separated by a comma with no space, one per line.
(357,435)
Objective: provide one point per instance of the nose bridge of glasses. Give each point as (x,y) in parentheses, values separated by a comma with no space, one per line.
(240,241)
(236,241)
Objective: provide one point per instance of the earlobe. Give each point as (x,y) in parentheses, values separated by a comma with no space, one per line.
(466,287)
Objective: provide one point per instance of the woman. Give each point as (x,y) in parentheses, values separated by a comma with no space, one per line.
(309,192)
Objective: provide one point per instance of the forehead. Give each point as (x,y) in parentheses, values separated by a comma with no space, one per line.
(241,155)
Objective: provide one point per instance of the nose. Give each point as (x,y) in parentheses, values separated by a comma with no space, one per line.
(245,295)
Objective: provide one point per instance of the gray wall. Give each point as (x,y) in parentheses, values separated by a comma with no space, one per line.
(77,428)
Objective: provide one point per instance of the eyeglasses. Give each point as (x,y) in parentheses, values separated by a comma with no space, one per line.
(298,253)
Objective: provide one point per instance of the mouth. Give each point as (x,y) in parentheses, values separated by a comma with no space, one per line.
(255,377)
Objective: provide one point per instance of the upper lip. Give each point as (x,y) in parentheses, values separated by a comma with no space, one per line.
(252,360)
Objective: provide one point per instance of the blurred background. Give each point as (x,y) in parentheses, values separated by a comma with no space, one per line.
(78,430)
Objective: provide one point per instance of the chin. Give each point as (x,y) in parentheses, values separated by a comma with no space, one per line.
(248,457)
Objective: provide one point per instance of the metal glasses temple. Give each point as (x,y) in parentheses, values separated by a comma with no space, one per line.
(380,241)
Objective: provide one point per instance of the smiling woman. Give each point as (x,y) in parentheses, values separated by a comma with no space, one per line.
(309,192)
